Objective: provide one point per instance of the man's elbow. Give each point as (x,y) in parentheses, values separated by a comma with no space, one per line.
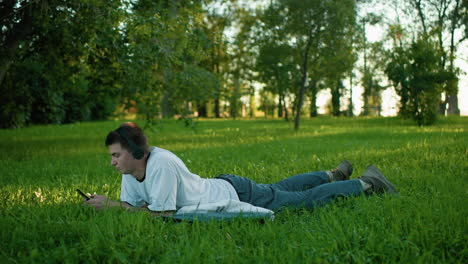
(162,213)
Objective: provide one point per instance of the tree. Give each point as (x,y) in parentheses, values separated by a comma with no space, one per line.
(338,51)
(81,59)
(456,21)
(167,51)
(275,68)
(426,81)
(371,66)
(217,58)
(195,85)
(463,11)
(371,72)
(276,62)
(243,53)
(441,19)
(418,79)
(16,19)
(58,47)
(307,27)
(267,103)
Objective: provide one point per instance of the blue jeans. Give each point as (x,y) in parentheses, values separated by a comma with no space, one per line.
(308,190)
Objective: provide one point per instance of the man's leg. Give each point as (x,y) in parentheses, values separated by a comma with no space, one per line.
(373,180)
(302,182)
(266,196)
(310,180)
(315,197)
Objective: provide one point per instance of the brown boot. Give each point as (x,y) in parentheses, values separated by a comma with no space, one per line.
(379,183)
(342,172)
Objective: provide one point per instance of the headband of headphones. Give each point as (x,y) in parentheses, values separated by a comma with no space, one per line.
(137,152)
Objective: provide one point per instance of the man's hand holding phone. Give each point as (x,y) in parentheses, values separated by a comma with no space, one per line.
(101,202)
(83,194)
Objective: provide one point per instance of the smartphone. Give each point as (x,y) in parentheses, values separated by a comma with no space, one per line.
(83,194)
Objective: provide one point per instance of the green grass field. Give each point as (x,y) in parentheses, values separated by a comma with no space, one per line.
(42,219)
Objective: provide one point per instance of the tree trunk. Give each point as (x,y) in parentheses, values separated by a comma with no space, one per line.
(286,115)
(216,61)
(217,108)
(252,105)
(280,105)
(452,99)
(365,107)
(443,107)
(234,102)
(313,100)
(405,110)
(166,105)
(201,109)
(453,105)
(336,98)
(302,90)
(419,8)
(351,106)
(300,100)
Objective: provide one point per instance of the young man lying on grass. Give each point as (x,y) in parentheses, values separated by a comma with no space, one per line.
(156,180)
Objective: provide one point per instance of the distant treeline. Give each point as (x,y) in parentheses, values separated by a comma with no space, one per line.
(65,61)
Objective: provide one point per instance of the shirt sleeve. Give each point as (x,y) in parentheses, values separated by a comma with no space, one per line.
(163,190)
(128,193)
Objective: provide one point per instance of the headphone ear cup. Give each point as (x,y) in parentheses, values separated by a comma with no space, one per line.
(138,153)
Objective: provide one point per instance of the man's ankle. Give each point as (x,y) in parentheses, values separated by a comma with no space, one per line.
(365,186)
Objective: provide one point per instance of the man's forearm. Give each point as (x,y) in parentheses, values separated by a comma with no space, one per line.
(162,213)
(131,208)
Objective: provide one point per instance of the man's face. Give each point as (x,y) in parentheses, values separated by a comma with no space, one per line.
(122,159)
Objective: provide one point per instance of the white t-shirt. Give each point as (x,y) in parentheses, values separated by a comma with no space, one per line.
(169,185)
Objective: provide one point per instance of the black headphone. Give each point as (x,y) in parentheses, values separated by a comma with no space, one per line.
(137,152)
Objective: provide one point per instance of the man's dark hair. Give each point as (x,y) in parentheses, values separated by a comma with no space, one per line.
(134,132)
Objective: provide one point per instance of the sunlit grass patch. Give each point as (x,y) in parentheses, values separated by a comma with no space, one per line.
(41,218)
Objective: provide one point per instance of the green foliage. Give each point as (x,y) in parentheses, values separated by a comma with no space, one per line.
(267,103)
(42,220)
(65,61)
(242,56)
(312,41)
(339,55)
(424,82)
(164,65)
(84,58)
(195,84)
(418,79)
(65,70)
(374,63)
(464,17)
(276,68)
(443,22)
